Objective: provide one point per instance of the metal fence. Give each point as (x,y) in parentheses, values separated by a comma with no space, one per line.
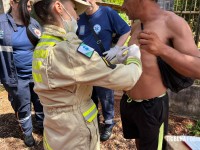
(188,9)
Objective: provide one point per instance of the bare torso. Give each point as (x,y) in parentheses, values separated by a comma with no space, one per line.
(150,83)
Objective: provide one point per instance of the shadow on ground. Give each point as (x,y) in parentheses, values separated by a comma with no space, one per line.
(11,137)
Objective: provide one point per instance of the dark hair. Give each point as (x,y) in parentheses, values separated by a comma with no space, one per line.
(43,12)
(23,11)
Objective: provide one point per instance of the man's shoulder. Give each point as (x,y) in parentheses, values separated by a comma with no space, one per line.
(176,26)
(106,8)
(173,19)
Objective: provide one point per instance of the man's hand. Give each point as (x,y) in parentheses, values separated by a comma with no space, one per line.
(150,42)
(110,54)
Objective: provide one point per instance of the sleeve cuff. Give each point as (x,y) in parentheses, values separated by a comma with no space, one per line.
(134,60)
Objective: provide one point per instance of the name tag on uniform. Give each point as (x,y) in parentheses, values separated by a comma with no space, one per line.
(82,30)
(85,50)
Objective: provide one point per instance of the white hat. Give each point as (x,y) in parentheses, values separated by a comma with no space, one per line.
(81,6)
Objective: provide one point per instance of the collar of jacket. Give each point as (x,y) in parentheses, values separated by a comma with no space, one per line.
(12,22)
(60,32)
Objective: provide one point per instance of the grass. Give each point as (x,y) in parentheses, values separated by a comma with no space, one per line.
(194,129)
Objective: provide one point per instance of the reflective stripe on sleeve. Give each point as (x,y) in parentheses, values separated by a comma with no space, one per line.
(46,43)
(45,36)
(91,113)
(133,60)
(37,77)
(48,40)
(40,53)
(36,65)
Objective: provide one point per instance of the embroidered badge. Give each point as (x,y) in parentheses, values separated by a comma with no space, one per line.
(85,50)
(37,32)
(97,28)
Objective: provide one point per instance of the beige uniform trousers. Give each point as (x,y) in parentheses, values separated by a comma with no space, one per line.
(78,133)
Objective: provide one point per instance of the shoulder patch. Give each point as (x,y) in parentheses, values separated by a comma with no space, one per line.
(108,64)
(85,50)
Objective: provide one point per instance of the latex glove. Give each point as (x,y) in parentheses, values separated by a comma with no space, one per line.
(110,54)
(120,55)
(134,50)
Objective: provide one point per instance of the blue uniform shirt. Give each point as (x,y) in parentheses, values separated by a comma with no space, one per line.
(22,51)
(13,41)
(105,21)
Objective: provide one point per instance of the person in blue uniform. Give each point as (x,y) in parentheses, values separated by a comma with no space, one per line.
(103,22)
(19,35)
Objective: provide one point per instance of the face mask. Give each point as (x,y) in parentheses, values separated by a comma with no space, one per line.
(69,25)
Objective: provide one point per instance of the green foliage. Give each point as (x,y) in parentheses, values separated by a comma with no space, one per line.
(124,17)
(119,2)
(197,82)
(194,129)
(180,5)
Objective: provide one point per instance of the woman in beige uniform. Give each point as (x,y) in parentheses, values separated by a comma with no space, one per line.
(64,71)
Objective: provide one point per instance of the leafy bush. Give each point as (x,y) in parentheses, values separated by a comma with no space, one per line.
(195,129)
(197,82)
(119,2)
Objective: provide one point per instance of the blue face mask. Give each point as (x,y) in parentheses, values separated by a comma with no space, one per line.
(69,25)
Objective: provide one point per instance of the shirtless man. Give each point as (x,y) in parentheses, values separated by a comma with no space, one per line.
(144,109)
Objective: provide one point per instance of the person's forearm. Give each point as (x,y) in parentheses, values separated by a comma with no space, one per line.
(182,63)
(123,39)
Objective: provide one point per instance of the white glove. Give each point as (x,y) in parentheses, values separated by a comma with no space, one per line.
(120,55)
(110,54)
(134,50)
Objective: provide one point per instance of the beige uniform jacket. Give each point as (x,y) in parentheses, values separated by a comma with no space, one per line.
(63,81)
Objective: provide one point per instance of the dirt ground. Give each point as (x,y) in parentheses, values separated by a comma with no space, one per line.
(11,138)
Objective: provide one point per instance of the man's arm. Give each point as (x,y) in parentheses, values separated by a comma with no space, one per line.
(123,39)
(183,63)
(184,56)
